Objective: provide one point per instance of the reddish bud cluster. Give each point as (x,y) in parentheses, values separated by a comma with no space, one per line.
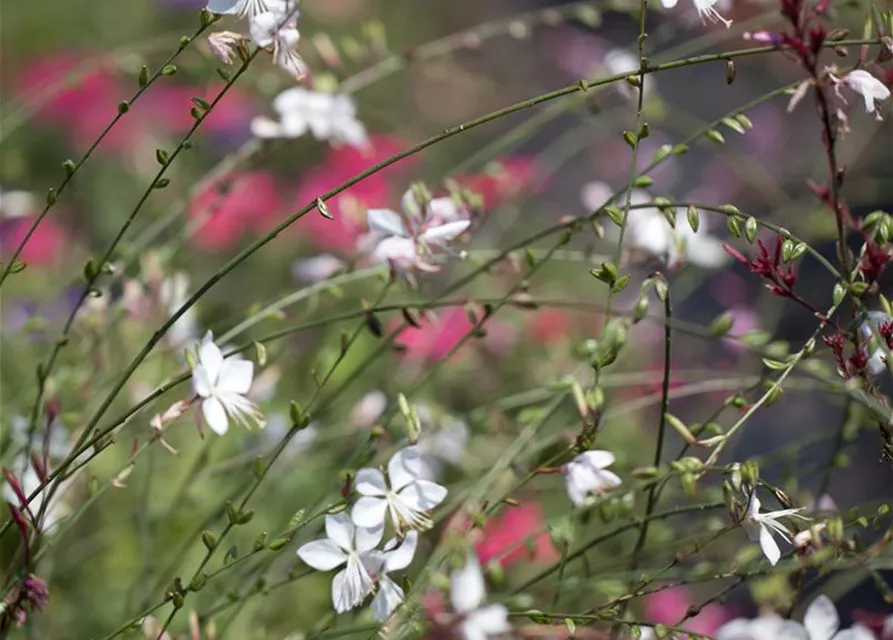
(874,261)
(855,364)
(781,278)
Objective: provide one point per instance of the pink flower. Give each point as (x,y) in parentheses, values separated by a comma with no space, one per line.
(550,325)
(503,179)
(44,246)
(669,606)
(81,106)
(234,208)
(504,538)
(434,340)
(349,207)
(166,107)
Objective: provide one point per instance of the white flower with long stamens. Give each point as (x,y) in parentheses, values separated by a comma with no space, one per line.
(587,473)
(277,29)
(324,115)
(870,88)
(467,595)
(406,496)
(224,45)
(820,623)
(395,556)
(223,384)
(706,11)
(762,527)
(346,545)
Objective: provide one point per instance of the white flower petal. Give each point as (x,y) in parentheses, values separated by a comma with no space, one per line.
(786,630)
(322,555)
(370,482)
(404,467)
(369,512)
(201,383)
(467,586)
(389,597)
(858,632)
(401,557)
(340,530)
(386,222)
(215,415)
(769,546)
(738,629)
(235,376)
(491,619)
(210,357)
(422,495)
(821,620)
(597,459)
(342,598)
(367,538)
(445,232)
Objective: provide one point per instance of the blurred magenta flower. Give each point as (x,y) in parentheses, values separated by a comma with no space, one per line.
(502,179)
(550,325)
(436,338)
(228,211)
(669,606)
(505,538)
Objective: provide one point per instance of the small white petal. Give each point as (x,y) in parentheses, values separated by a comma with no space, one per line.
(404,467)
(467,586)
(401,557)
(389,597)
(422,495)
(597,459)
(210,357)
(769,546)
(858,632)
(386,222)
(340,530)
(738,629)
(367,538)
(491,619)
(215,415)
(201,383)
(370,482)
(235,376)
(445,232)
(369,512)
(821,620)
(322,555)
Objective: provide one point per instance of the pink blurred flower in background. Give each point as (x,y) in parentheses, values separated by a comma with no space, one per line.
(18,212)
(669,606)
(435,339)
(228,211)
(349,207)
(166,107)
(502,179)
(504,538)
(550,325)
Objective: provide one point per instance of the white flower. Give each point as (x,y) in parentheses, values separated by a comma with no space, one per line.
(326,116)
(820,623)
(16,204)
(317,268)
(277,29)
(587,473)
(706,11)
(368,409)
(248,8)
(402,241)
(619,61)
(278,425)
(347,545)
(380,563)
(173,294)
(223,45)
(760,527)
(407,499)
(442,440)
(467,595)
(58,444)
(223,385)
(877,362)
(870,88)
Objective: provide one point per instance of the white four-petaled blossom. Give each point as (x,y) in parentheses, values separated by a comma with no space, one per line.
(467,594)
(395,556)
(706,11)
(223,384)
(587,473)
(326,116)
(249,8)
(762,527)
(277,29)
(405,495)
(345,545)
(870,88)
(820,623)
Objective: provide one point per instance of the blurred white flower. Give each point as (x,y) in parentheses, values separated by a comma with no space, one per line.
(317,268)
(173,294)
(407,498)
(58,444)
(54,511)
(403,241)
(277,29)
(395,556)
(248,8)
(762,527)
(368,409)
(619,61)
(467,594)
(223,45)
(16,204)
(443,439)
(587,473)
(820,623)
(277,425)
(870,328)
(347,545)
(870,88)
(223,385)
(706,11)
(324,115)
